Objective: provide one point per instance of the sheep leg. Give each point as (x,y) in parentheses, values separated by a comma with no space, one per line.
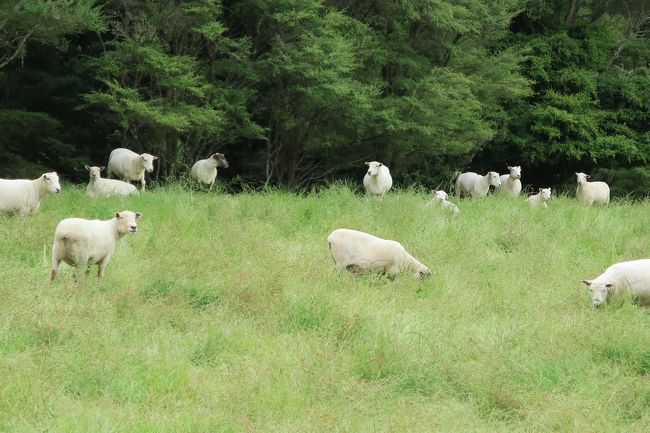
(55,268)
(143,182)
(211,185)
(101,265)
(355,269)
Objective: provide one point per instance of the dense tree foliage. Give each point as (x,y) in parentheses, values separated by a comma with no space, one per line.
(297,92)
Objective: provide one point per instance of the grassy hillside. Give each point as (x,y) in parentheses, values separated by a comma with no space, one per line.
(224,314)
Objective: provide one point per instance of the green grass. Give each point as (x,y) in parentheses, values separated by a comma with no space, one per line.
(224,314)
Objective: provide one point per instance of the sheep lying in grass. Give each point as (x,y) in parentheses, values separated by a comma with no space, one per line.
(511,183)
(475,185)
(378,179)
(631,277)
(591,192)
(359,252)
(80,242)
(440,198)
(100,187)
(540,199)
(24,196)
(205,170)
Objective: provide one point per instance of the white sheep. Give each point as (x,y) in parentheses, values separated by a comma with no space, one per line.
(540,199)
(358,252)
(129,166)
(205,170)
(475,185)
(440,198)
(100,187)
(24,196)
(631,277)
(511,183)
(591,192)
(378,179)
(80,242)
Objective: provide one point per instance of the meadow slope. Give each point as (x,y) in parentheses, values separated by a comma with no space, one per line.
(224,314)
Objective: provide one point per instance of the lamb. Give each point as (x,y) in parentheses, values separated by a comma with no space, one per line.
(98,187)
(24,196)
(540,199)
(591,192)
(476,185)
(378,179)
(631,278)
(80,242)
(359,252)
(440,198)
(205,170)
(511,183)
(129,166)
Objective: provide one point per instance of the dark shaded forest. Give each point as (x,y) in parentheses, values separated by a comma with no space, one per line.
(297,93)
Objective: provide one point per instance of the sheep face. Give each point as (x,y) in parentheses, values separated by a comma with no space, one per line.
(95,172)
(147,161)
(374,168)
(439,195)
(52,182)
(220,159)
(598,291)
(515,172)
(422,272)
(494,179)
(127,221)
(581,178)
(545,193)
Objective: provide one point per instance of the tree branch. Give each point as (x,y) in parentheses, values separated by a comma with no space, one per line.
(19,48)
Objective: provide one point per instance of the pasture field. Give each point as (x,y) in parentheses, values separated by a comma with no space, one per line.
(224,314)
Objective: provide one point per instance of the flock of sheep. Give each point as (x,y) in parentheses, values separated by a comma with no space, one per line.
(81,242)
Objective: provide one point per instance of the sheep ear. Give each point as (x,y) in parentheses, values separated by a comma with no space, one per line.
(587,176)
(45,177)
(102,168)
(117,215)
(155,157)
(587,282)
(368,164)
(609,285)
(540,190)
(86,167)
(137,215)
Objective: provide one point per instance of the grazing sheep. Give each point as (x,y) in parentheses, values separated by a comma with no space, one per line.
(511,183)
(205,170)
(358,252)
(540,199)
(99,187)
(80,242)
(631,277)
(129,166)
(591,192)
(24,196)
(440,198)
(475,185)
(377,180)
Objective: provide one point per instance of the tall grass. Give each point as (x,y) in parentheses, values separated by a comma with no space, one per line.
(224,314)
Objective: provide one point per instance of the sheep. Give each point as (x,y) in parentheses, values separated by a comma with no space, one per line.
(540,199)
(377,180)
(80,242)
(359,252)
(24,196)
(631,277)
(511,183)
(591,192)
(440,198)
(97,186)
(476,185)
(129,166)
(205,170)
